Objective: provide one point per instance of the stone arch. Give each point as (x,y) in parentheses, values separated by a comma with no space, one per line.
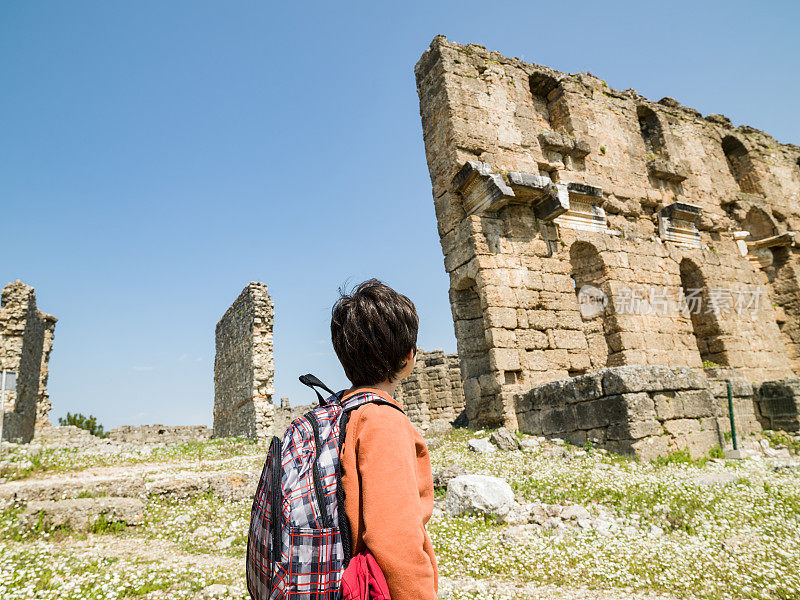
(782,275)
(473,349)
(549,101)
(588,269)
(651,130)
(759,224)
(706,325)
(741,165)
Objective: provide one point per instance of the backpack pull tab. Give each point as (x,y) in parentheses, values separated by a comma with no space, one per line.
(314,383)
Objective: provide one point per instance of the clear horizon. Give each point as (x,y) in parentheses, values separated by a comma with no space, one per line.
(156,158)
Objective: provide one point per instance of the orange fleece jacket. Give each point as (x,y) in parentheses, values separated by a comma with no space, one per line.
(388,486)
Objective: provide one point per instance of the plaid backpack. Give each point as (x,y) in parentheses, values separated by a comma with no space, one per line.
(299,539)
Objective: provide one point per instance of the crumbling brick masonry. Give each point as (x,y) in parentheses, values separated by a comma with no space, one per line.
(556,193)
(433,390)
(244,368)
(26,340)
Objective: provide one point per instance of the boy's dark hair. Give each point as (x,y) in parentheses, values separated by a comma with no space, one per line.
(373,329)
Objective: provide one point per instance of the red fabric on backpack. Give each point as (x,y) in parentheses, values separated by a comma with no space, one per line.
(364,580)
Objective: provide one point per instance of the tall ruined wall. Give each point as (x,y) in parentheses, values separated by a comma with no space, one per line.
(546,184)
(243,366)
(26,340)
(433,390)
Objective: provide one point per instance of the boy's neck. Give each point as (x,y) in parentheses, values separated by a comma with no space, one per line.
(385,386)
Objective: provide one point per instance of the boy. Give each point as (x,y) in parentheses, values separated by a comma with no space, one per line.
(386,469)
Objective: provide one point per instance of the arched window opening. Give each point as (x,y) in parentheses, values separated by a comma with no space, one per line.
(759,224)
(740,165)
(589,276)
(548,97)
(652,132)
(707,332)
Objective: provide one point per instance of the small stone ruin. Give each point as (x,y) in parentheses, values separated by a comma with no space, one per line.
(26,340)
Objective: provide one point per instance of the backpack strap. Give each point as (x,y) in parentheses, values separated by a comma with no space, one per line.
(276,502)
(326,518)
(344,523)
(314,383)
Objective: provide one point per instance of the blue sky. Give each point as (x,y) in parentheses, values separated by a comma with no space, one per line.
(157,156)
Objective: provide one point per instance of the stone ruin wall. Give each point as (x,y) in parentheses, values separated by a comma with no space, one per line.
(26,340)
(544,182)
(244,368)
(159,434)
(644,410)
(433,390)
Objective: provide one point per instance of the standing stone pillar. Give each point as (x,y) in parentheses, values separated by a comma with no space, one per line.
(244,367)
(26,339)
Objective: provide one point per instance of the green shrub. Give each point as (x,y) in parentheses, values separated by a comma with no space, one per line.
(679,457)
(89,423)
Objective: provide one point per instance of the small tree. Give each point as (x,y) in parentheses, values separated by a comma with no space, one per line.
(89,423)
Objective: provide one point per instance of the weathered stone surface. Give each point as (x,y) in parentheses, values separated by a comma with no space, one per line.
(244,368)
(479,495)
(779,404)
(624,380)
(81,513)
(529,444)
(481,446)
(433,391)
(504,439)
(26,340)
(442,477)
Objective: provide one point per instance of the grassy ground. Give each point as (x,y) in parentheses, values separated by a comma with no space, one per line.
(730,530)
(28,461)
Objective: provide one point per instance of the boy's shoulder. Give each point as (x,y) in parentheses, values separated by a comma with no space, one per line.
(372,397)
(378,406)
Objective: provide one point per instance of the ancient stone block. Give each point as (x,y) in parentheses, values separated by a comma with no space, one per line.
(627,379)
(697,403)
(677,223)
(779,404)
(600,412)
